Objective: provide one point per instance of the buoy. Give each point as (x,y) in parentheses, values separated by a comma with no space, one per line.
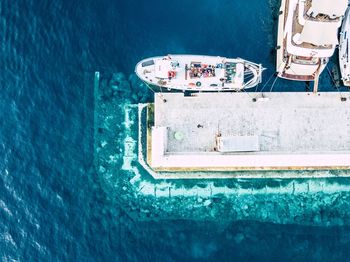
(198,84)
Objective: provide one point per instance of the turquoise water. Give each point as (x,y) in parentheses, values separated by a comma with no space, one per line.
(54,205)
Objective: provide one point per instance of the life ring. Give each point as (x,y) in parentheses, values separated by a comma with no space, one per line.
(198,84)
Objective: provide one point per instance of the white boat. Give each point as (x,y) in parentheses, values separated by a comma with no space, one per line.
(307,36)
(344,43)
(199,73)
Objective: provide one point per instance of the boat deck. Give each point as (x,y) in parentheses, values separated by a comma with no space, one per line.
(183,77)
(200,73)
(295,131)
(300,15)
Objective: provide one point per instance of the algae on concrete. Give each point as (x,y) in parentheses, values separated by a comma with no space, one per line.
(319,201)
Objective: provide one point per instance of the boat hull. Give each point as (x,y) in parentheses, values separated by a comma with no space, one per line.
(294,62)
(199,73)
(344,44)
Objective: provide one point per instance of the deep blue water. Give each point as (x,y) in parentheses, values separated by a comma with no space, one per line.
(52,205)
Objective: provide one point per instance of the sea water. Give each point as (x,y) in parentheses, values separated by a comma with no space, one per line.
(53,204)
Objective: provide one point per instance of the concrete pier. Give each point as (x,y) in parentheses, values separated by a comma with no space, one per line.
(301,131)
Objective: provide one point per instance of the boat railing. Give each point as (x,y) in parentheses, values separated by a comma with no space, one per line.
(257,70)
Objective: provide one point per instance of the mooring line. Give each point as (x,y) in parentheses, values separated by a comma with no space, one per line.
(330,74)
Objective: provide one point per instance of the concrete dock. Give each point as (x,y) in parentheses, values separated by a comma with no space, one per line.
(302,131)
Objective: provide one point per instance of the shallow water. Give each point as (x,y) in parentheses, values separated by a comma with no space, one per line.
(53,204)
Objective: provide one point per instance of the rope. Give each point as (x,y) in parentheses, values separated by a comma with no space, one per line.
(256,89)
(329,72)
(158,94)
(273,84)
(247,93)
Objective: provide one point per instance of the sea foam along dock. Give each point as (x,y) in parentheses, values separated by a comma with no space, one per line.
(249,131)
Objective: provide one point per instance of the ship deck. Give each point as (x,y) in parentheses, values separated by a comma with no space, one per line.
(294,130)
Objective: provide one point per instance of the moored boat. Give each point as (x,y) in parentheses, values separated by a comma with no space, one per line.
(199,73)
(344,43)
(307,36)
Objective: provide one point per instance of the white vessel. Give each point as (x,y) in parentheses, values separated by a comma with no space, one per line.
(344,43)
(307,36)
(199,73)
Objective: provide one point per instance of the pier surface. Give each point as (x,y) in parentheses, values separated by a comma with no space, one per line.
(294,131)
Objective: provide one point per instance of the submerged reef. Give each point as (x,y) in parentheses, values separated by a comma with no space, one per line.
(118,147)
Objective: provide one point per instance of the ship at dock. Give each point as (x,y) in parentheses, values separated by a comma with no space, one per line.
(344,43)
(307,37)
(199,73)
